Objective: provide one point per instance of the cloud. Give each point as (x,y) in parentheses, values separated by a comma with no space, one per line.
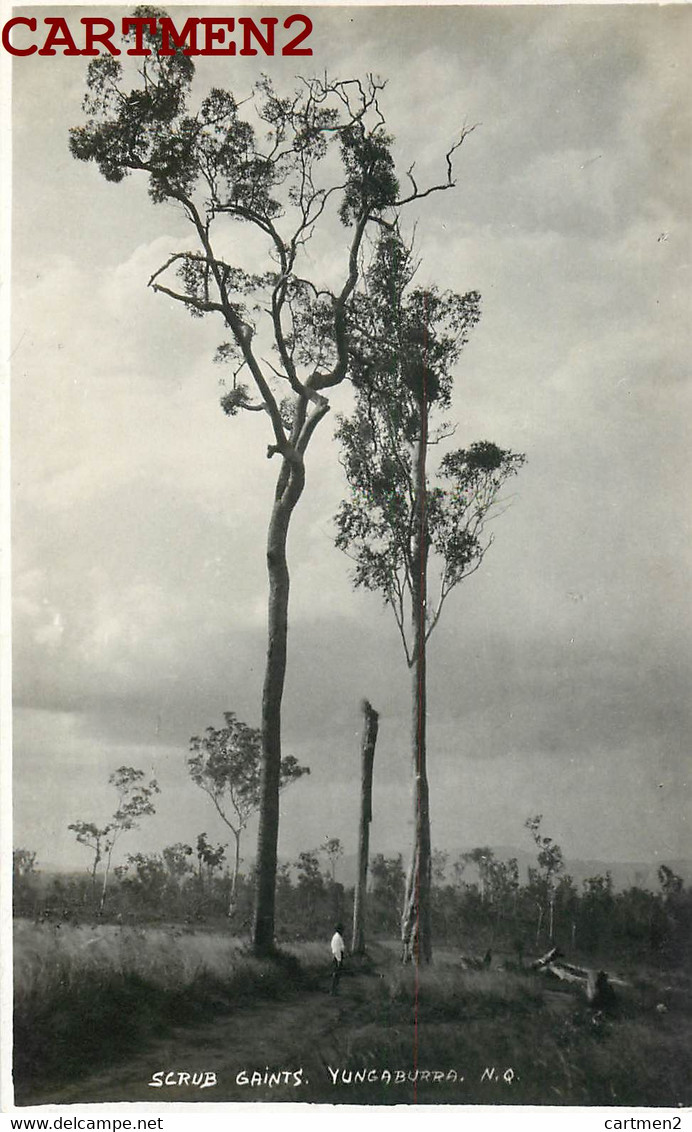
(140,510)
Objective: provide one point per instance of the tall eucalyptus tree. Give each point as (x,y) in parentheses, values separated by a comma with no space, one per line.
(405,343)
(285,166)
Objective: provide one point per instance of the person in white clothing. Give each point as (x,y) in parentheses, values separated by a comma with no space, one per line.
(338,950)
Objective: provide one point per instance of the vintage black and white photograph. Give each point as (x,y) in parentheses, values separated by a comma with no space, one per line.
(350,535)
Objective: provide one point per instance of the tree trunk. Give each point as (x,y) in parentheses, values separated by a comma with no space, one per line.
(539,923)
(416,928)
(105,881)
(370,725)
(337,902)
(234,874)
(288,491)
(97,859)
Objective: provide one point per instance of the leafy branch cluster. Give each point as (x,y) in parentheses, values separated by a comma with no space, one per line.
(225,763)
(266,161)
(405,343)
(135,801)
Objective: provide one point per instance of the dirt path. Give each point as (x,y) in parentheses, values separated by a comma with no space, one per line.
(297,1038)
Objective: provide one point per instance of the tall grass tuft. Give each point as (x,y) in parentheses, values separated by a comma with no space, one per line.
(450,992)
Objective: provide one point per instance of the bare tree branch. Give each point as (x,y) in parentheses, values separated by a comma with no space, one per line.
(449,183)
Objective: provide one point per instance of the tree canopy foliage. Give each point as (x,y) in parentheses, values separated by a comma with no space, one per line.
(267,160)
(135,801)
(226,764)
(406,341)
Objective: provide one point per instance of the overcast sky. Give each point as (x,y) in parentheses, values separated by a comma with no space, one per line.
(560,673)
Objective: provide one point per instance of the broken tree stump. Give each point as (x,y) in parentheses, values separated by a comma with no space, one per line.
(370,725)
(600,995)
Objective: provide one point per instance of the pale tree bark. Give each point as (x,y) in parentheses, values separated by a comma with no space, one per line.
(234,876)
(416,936)
(106,875)
(289,488)
(370,726)
(97,860)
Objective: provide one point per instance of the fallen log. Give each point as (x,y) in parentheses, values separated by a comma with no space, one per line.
(563,972)
(539,964)
(597,986)
(571,973)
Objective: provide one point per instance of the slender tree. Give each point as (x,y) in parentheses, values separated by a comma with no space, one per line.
(209,858)
(265,163)
(135,801)
(156,880)
(311,886)
(671,884)
(23,863)
(367,757)
(226,764)
(483,858)
(94,838)
(333,851)
(24,873)
(551,863)
(405,343)
(388,883)
(176,858)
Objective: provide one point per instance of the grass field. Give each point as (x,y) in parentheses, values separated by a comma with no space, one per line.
(90,997)
(84,995)
(517,1038)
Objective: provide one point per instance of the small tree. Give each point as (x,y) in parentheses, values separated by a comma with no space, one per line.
(675,916)
(310,886)
(504,885)
(671,884)
(405,342)
(209,859)
(94,838)
(155,880)
(551,863)
(388,882)
(483,858)
(458,870)
(134,802)
(145,877)
(226,765)
(597,904)
(177,861)
(333,851)
(24,873)
(23,863)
